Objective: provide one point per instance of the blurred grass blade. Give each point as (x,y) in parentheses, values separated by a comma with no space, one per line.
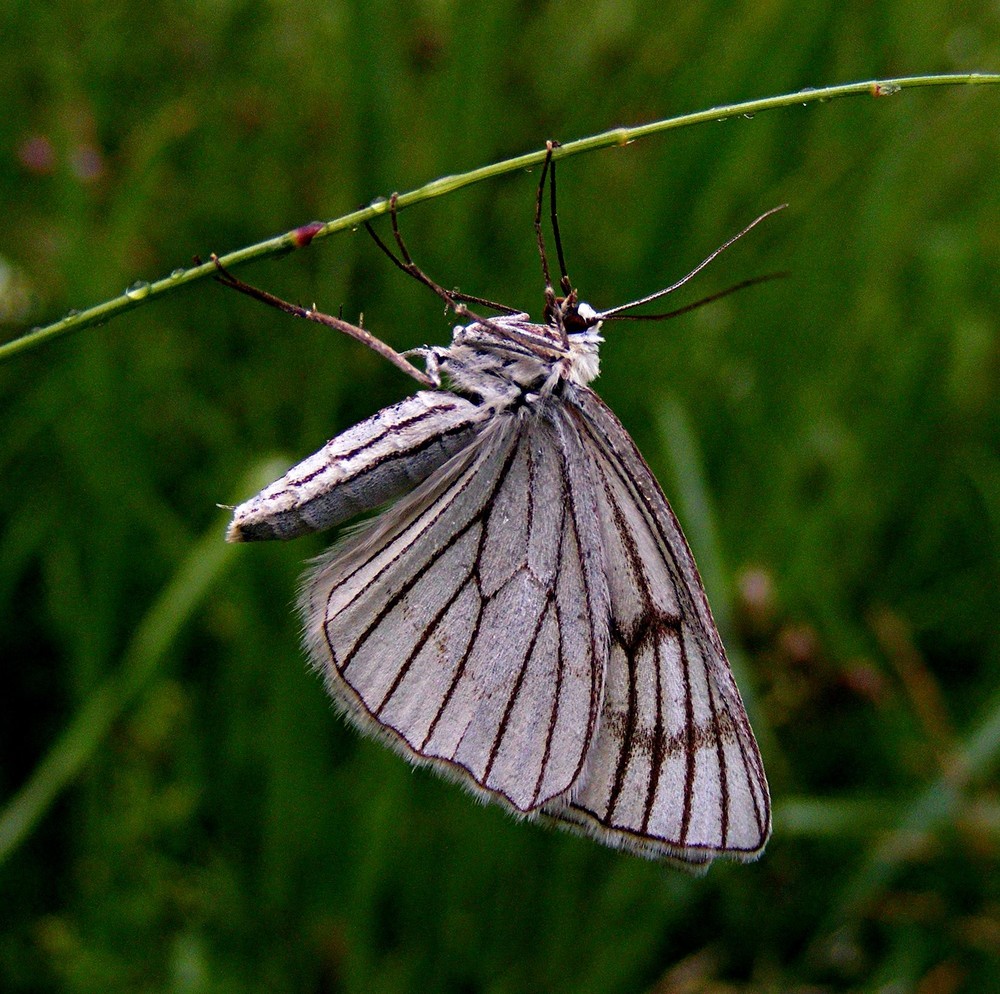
(180,599)
(833,817)
(937,807)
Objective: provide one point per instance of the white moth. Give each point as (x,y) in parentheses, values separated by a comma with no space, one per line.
(526,618)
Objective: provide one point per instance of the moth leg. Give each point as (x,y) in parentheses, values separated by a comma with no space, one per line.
(328,320)
(455,299)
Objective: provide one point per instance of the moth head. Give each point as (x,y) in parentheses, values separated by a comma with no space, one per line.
(570,315)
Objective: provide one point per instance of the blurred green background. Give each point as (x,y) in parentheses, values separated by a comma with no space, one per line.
(830,442)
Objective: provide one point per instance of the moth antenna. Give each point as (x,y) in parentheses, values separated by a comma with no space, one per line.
(711,298)
(611,312)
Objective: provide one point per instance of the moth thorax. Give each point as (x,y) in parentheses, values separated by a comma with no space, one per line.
(584,362)
(493,373)
(584,347)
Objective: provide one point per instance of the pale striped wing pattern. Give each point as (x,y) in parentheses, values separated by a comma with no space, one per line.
(674,770)
(379,458)
(468,624)
(530,621)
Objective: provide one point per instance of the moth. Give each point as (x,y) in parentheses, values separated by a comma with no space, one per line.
(525,616)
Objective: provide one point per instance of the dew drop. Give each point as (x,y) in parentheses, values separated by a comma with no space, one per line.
(177,273)
(138,290)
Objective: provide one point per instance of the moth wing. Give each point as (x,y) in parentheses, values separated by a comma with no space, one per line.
(376,460)
(468,624)
(674,771)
